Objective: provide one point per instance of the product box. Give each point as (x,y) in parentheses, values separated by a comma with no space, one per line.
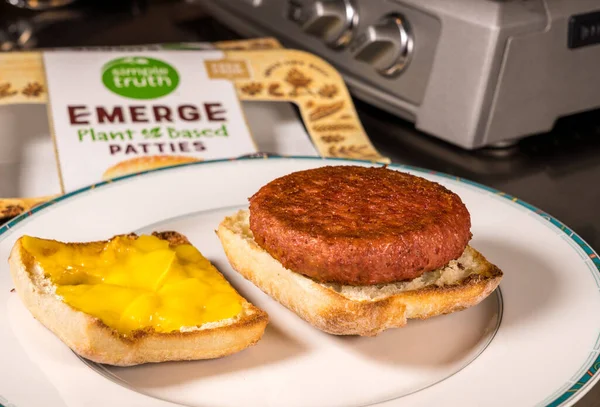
(77,117)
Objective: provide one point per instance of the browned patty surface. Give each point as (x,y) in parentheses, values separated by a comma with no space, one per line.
(358,225)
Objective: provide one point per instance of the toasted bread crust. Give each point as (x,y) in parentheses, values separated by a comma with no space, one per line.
(334,313)
(92,339)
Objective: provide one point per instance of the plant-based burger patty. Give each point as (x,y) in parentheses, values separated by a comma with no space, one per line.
(357,225)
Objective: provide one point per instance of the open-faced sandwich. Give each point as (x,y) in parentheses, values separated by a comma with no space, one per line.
(356,250)
(134,299)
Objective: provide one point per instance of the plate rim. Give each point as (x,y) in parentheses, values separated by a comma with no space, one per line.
(572,391)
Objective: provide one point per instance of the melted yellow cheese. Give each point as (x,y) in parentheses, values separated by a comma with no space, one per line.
(133,284)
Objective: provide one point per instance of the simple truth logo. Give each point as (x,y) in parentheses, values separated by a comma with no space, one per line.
(139,77)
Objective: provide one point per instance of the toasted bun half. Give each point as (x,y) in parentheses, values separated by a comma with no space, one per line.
(90,338)
(358,310)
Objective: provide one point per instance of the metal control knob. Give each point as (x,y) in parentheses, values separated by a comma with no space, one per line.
(331,20)
(386,45)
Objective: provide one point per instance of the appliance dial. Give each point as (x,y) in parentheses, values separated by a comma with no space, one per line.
(331,20)
(386,45)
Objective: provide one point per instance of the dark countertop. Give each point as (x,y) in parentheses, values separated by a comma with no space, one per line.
(557,172)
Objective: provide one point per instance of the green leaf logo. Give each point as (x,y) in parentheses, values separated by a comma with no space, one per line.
(152,133)
(139,77)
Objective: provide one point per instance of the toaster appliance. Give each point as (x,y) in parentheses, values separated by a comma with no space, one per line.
(471,72)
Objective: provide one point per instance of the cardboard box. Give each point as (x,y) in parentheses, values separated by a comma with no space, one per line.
(77,117)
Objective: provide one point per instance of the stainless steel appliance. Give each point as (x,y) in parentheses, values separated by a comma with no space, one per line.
(471,72)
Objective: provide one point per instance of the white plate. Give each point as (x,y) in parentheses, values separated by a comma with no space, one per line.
(534,342)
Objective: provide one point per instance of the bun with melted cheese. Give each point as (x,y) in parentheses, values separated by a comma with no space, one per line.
(91,337)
